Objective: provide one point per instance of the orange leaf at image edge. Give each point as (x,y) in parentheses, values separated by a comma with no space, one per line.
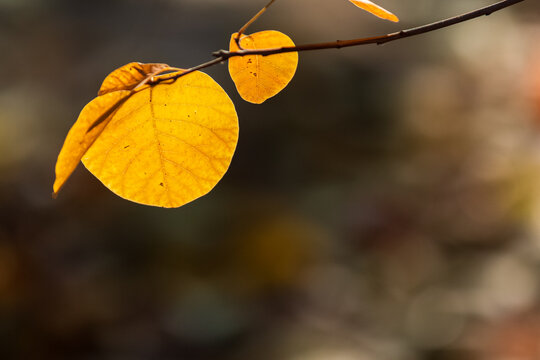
(375,10)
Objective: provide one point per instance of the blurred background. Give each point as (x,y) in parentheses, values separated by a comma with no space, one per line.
(385,205)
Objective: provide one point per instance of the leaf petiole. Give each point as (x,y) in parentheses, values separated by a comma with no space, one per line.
(251,21)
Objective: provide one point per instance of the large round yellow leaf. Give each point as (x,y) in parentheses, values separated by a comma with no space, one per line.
(168,144)
(258,78)
(375,9)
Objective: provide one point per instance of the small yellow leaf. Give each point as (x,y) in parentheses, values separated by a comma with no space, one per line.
(129,76)
(91,122)
(168,144)
(375,10)
(258,78)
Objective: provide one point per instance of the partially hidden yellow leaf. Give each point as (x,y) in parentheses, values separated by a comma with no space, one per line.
(91,122)
(168,144)
(258,78)
(129,76)
(375,10)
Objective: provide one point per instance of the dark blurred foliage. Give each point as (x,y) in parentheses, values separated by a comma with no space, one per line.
(386,205)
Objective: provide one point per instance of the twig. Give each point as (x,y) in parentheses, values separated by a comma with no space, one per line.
(155,80)
(379,40)
(223,55)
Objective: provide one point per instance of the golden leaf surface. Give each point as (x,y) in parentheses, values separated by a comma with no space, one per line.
(91,122)
(129,76)
(258,78)
(375,10)
(168,144)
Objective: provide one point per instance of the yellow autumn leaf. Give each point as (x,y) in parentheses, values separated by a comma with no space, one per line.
(91,122)
(168,144)
(375,10)
(258,78)
(129,76)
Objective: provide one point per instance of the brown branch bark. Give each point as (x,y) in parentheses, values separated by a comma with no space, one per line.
(223,55)
(379,40)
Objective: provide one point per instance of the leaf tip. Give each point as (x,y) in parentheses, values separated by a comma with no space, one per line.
(58,184)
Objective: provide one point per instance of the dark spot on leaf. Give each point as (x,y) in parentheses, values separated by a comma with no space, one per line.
(125,147)
(254,74)
(160,184)
(249,61)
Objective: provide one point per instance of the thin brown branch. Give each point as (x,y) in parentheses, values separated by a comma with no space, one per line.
(379,40)
(155,80)
(223,55)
